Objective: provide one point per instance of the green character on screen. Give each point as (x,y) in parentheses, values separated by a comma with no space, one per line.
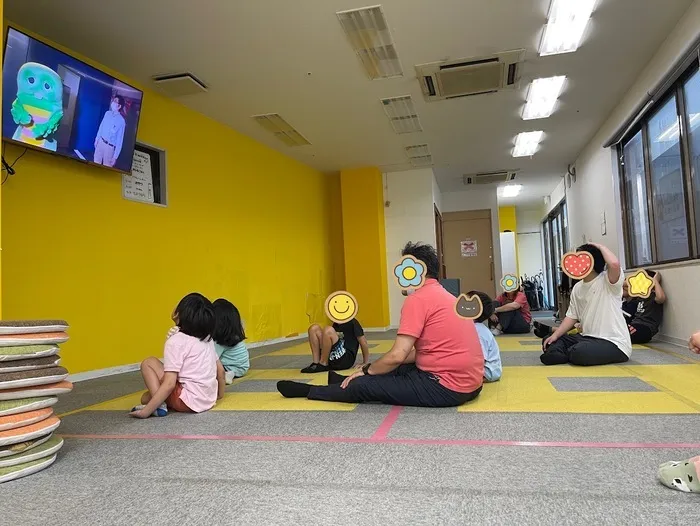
(38,108)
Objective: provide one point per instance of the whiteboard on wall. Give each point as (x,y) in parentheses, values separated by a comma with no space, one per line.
(146,183)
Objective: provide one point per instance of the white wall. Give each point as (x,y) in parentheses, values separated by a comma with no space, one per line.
(410,217)
(529,240)
(530,254)
(596,189)
(555,198)
(478,199)
(529,219)
(437,195)
(509,259)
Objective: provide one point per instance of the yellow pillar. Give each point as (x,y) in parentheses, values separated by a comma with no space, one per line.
(364,243)
(506,218)
(2,48)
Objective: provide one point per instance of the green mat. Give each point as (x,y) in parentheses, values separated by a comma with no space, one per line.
(16,449)
(19,352)
(22,470)
(48,448)
(23,405)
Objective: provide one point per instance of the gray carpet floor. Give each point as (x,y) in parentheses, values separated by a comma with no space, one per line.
(276,482)
(216,483)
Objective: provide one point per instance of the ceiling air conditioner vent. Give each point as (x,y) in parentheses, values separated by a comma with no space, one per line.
(489,177)
(462,78)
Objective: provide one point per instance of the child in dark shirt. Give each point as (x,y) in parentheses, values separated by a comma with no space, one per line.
(644,316)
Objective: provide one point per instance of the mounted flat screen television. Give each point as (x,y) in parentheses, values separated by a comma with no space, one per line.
(58,104)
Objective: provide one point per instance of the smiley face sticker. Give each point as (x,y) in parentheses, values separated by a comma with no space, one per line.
(341,307)
(469,307)
(410,273)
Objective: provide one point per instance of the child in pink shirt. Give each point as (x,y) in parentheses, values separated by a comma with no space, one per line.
(190,379)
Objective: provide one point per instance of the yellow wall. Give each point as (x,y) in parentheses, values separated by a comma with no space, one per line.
(365,244)
(243,222)
(506,218)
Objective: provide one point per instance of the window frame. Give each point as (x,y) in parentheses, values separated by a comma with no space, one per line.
(677,90)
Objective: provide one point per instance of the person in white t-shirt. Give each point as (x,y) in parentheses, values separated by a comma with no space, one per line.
(595,304)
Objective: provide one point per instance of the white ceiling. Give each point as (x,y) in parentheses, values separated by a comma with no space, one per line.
(256,56)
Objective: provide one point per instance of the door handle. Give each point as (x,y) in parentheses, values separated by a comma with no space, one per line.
(493,272)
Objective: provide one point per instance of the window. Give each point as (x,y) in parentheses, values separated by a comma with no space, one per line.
(660,178)
(639,240)
(670,221)
(691,90)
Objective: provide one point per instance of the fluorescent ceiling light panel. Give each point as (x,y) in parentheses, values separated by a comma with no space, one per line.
(566,25)
(368,33)
(281,129)
(402,114)
(511,190)
(542,97)
(527,143)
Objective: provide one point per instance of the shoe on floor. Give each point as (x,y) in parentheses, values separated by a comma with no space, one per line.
(230,376)
(315,368)
(496,332)
(290,389)
(682,475)
(161,410)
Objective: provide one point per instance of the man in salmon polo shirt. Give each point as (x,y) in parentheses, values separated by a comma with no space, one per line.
(436,359)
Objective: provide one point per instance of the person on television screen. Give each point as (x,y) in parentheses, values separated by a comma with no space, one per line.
(110,136)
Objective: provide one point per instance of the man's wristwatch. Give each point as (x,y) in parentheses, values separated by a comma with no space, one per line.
(365,369)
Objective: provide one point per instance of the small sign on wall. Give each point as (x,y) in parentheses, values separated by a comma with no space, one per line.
(468,248)
(139,185)
(146,183)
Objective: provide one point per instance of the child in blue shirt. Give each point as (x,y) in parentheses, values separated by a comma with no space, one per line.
(229,341)
(492,354)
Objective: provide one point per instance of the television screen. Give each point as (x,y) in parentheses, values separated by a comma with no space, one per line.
(56,103)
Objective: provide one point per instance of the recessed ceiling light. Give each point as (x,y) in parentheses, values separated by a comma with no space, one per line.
(402,114)
(368,33)
(527,143)
(542,97)
(511,190)
(565,26)
(281,129)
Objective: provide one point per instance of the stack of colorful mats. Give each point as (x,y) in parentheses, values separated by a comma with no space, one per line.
(30,380)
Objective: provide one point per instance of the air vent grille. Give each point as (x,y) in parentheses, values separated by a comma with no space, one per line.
(179,84)
(281,129)
(419,155)
(368,33)
(402,114)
